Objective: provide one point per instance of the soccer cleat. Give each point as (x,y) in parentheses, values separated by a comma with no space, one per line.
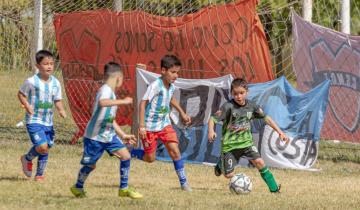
(278,190)
(128,192)
(39,178)
(217,170)
(78,192)
(186,187)
(26,166)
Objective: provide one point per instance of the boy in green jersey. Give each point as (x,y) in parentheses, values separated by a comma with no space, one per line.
(237,140)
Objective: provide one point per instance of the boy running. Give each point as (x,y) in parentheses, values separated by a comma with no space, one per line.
(38,95)
(154,117)
(102,132)
(237,139)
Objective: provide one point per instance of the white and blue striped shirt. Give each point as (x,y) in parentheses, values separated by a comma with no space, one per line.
(41,96)
(100,127)
(157,111)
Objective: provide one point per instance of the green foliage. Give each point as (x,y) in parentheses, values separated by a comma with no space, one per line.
(14,34)
(65,6)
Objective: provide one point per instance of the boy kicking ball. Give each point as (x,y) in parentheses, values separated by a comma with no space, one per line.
(237,140)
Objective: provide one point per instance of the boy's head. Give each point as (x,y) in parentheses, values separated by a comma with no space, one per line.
(114,72)
(45,63)
(239,90)
(170,67)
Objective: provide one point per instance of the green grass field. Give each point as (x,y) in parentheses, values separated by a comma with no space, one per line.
(335,186)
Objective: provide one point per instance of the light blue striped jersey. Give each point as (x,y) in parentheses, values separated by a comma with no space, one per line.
(41,96)
(100,127)
(157,111)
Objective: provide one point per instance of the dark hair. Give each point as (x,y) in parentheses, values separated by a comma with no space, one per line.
(40,55)
(169,61)
(239,82)
(111,68)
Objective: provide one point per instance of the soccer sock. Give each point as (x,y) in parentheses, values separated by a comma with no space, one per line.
(269,179)
(138,153)
(83,174)
(42,161)
(124,173)
(180,171)
(31,154)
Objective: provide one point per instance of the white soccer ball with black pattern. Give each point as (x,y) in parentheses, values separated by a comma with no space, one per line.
(240,184)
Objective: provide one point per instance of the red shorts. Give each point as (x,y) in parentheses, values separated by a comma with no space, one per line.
(167,134)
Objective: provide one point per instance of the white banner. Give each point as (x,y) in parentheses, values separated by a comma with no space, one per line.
(296,154)
(202,97)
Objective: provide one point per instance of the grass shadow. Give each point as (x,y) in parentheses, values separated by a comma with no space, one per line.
(200,189)
(13,178)
(106,185)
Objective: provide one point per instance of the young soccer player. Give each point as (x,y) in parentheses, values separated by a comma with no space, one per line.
(237,139)
(155,120)
(102,132)
(38,95)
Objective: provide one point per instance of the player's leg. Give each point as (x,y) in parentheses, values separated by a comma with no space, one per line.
(148,154)
(39,141)
(93,150)
(169,138)
(117,148)
(252,154)
(44,153)
(228,163)
(217,167)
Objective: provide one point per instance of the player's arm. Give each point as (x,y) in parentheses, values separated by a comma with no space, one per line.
(142,130)
(25,103)
(274,126)
(128,138)
(218,116)
(60,107)
(211,130)
(117,102)
(186,118)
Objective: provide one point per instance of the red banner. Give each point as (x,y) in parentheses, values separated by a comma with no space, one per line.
(215,41)
(321,53)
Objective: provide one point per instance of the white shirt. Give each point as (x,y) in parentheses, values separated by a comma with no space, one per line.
(158,109)
(100,127)
(41,96)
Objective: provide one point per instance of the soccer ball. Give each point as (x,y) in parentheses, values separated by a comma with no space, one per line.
(240,184)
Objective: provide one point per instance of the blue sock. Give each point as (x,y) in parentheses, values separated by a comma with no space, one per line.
(180,171)
(31,154)
(42,161)
(138,153)
(124,173)
(83,174)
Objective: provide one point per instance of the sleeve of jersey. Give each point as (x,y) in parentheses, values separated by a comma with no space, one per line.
(220,115)
(58,94)
(259,112)
(25,88)
(105,94)
(150,92)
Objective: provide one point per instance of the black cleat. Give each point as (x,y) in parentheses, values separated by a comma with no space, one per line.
(278,190)
(217,170)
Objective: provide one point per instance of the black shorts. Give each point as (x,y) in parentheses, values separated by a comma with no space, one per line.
(229,160)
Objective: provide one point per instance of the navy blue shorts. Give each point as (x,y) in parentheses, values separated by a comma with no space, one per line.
(41,134)
(93,150)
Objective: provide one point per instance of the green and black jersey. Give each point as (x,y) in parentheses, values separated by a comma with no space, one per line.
(236,130)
